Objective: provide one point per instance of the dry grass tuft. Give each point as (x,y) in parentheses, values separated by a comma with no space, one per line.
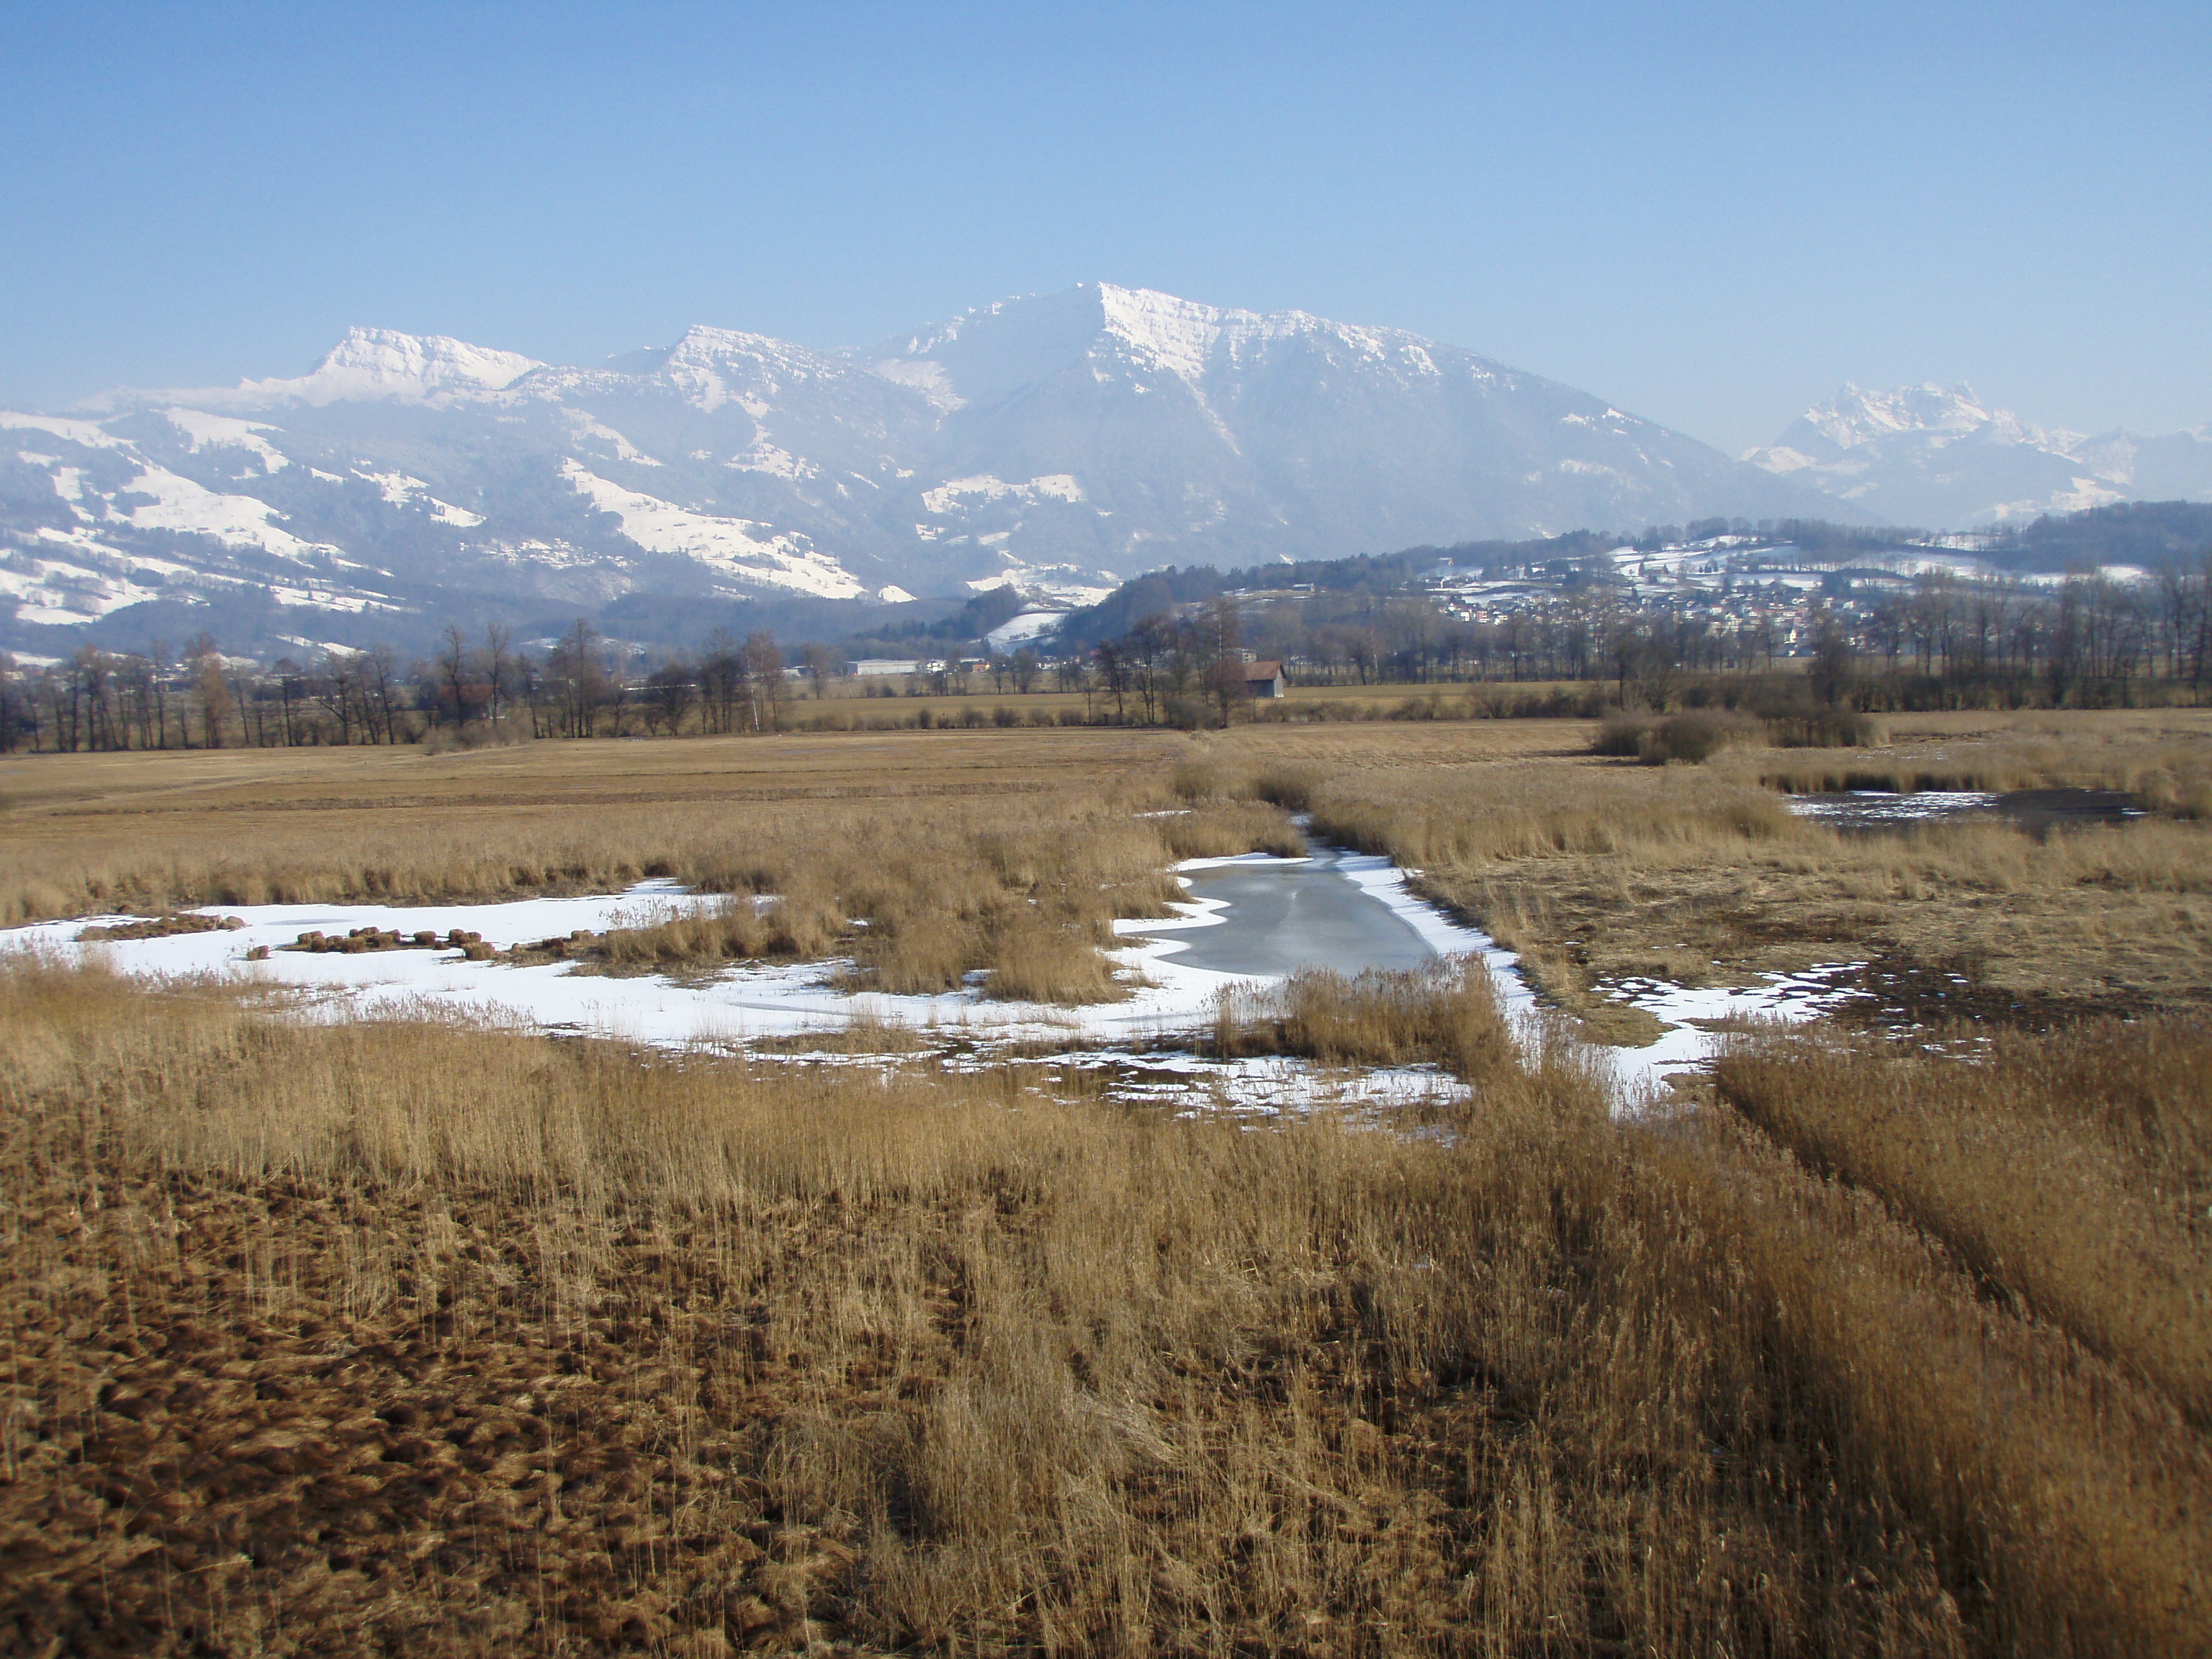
(1446,1015)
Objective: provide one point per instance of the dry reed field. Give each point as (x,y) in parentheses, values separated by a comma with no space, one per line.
(418,1339)
(414,1337)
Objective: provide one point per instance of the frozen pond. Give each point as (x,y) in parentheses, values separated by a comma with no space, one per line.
(2039,811)
(1278,915)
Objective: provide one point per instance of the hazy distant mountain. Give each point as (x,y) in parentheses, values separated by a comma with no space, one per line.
(1062,441)
(1939,456)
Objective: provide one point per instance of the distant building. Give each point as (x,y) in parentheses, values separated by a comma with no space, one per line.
(1263,679)
(869,666)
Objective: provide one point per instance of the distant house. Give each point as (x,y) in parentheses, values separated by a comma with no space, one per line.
(1263,679)
(869,668)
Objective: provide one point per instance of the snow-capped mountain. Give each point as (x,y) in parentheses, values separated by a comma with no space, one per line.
(1060,442)
(1940,456)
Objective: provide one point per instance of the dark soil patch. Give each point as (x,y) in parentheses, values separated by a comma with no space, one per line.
(1903,991)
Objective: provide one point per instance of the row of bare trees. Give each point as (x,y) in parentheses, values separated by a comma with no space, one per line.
(481,685)
(2087,638)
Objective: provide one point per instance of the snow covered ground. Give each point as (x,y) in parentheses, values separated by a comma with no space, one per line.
(1169,1005)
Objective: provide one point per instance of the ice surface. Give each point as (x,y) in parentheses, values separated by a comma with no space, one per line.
(1872,806)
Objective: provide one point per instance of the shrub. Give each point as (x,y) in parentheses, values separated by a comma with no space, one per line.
(1290,787)
(1827,728)
(1621,736)
(1696,737)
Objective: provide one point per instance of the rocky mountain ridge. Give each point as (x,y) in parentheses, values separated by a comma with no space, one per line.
(1058,442)
(1942,456)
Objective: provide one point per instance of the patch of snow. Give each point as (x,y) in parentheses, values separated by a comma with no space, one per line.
(925,377)
(729,545)
(86,432)
(1691,1012)
(180,504)
(953,495)
(397,488)
(765,457)
(1030,625)
(203,430)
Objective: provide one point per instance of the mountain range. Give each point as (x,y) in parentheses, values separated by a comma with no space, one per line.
(1058,443)
(1941,457)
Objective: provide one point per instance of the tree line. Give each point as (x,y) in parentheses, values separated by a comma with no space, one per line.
(1943,642)
(2087,639)
(475,687)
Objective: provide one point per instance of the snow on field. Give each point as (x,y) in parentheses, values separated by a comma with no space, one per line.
(749,1001)
(1691,1012)
(1169,1002)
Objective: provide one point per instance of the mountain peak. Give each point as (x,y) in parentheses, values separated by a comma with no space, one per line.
(367,365)
(382,363)
(983,354)
(1933,454)
(1856,416)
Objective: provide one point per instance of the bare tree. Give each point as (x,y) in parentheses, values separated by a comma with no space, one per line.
(498,663)
(764,674)
(452,663)
(821,662)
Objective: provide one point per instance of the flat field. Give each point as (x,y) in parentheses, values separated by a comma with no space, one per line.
(420,1338)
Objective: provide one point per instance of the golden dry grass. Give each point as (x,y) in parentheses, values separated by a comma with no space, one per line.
(1594,870)
(1444,1016)
(413,1337)
(2074,1178)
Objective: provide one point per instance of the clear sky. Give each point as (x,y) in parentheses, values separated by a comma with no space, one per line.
(1712,215)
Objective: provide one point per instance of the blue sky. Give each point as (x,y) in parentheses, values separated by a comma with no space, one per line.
(1711,215)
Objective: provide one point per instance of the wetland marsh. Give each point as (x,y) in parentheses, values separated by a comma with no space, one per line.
(1345,1312)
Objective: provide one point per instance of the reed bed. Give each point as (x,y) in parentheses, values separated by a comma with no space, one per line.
(365,1339)
(2168,773)
(2073,1180)
(1598,872)
(1445,1016)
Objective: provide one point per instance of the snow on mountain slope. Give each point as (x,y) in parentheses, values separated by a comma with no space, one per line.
(1057,442)
(725,544)
(188,508)
(205,431)
(1942,456)
(1199,432)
